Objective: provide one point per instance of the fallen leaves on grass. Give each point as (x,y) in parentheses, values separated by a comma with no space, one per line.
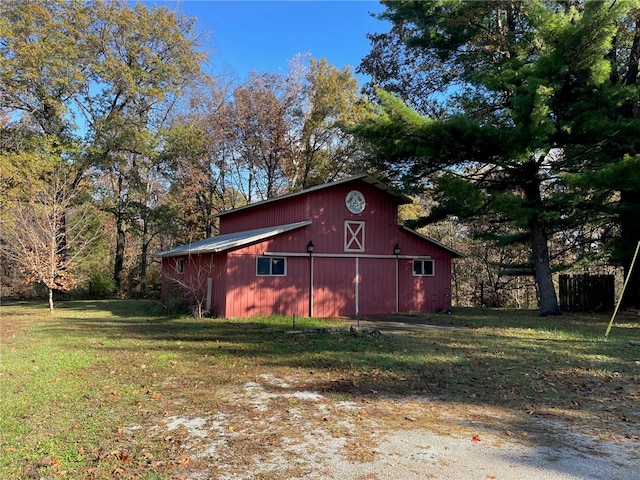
(46,463)
(122,456)
(154,395)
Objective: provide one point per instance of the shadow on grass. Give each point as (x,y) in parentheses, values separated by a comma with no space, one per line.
(508,359)
(535,370)
(124,309)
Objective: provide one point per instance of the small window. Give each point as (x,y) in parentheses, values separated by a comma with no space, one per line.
(268,266)
(180,265)
(423,267)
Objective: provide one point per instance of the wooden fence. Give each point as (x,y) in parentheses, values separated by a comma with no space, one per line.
(587,293)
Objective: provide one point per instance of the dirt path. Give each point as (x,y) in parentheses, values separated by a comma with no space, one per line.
(420,454)
(316,437)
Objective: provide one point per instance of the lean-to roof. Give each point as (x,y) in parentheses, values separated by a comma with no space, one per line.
(230,241)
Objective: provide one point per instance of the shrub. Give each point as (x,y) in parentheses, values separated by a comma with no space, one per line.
(100,286)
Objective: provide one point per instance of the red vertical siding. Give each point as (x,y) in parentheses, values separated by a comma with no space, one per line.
(218,300)
(192,283)
(377,287)
(249,294)
(276,212)
(423,293)
(334,287)
(328,213)
(239,292)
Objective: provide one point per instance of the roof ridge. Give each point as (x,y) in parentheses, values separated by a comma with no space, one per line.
(367,178)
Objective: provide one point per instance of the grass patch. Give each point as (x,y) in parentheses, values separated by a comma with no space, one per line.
(116,388)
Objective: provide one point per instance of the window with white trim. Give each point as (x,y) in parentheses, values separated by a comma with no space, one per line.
(424,267)
(353,236)
(271,266)
(180,266)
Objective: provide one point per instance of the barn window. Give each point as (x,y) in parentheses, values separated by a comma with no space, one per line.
(267,266)
(180,265)
(423,267)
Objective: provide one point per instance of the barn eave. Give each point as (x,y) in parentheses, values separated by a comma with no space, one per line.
(454,253)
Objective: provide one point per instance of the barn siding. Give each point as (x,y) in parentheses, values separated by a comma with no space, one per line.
(334,287)
(422,293)
(249,294)
(239,292)
(329,215)
(326,209)
(334,277)
(267,215)
(193,281)
(377,287)
(218,301)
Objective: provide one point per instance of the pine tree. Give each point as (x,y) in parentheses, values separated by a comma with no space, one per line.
(529,94)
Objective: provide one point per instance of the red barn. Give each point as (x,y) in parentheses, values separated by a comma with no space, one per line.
(329,251)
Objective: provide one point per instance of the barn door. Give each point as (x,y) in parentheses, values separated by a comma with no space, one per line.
(209,293)
(376,286)
(333,287)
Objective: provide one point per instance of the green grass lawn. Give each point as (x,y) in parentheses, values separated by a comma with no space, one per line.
(83,392)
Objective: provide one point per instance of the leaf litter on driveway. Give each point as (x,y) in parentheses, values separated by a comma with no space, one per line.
(276,430)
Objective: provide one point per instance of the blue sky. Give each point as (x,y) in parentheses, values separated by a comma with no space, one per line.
(265,35)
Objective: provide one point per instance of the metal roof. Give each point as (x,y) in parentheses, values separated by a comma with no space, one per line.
(401,199)
(229,241)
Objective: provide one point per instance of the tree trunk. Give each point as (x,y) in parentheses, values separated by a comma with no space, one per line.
(631,298)
(119,259)
(119,213)
(61,236)
(51,301)
(143,256)
(548,301)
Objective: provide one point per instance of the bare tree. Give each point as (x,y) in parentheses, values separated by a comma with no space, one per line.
(32,234)
(194,283)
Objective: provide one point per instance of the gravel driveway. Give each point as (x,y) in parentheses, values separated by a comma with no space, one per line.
(318,436)
(424,455)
